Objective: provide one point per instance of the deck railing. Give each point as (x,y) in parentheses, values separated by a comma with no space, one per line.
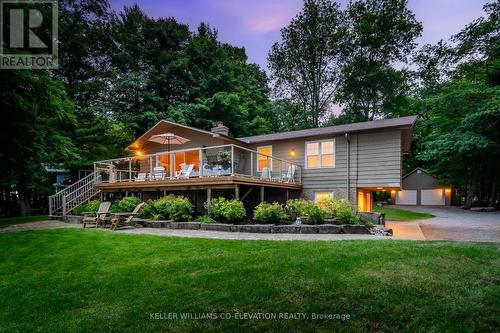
(215,161)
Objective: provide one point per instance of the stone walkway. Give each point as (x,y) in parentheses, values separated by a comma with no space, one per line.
(196,233)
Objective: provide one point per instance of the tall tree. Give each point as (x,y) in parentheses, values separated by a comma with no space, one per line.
(38,119)
(305,64)
(381,35)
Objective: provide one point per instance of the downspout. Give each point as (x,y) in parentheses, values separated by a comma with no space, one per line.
(348,139)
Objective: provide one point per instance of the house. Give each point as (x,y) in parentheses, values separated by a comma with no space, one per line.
(421,188)
(345,161)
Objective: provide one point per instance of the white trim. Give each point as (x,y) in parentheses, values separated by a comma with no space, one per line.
(320,153)
(316,195)
(270,155)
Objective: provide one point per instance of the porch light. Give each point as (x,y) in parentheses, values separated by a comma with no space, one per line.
(393,192)
(138,153)
(447,190)
(292,152)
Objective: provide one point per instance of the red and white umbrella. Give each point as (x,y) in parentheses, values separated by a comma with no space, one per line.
(168,139)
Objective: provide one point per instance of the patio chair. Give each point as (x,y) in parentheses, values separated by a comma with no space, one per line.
(126,219)
(99,217)
(141,176)
(265,173)
(185,171)
(158,173)
(289,176)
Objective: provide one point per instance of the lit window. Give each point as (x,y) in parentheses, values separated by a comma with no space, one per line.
(263,160)
(321,197)
(320,154)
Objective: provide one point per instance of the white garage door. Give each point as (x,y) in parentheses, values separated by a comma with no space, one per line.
(432,197)
(408,197)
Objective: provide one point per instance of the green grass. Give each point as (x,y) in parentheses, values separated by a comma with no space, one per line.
(88,280)
(395,214)
(4,222)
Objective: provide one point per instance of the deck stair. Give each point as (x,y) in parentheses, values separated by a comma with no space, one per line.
(77,194)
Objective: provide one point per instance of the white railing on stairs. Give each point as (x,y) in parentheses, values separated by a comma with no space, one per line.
(73,196)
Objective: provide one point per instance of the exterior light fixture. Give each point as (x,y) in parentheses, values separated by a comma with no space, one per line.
(292,152)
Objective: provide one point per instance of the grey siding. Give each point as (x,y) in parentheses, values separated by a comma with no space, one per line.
(375,162)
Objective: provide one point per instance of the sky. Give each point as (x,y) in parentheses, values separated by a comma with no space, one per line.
(255,24)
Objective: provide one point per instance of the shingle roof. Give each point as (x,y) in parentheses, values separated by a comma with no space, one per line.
(402,122)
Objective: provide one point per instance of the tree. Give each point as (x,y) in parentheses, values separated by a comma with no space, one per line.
(305,64)
(381,34)
(38,119)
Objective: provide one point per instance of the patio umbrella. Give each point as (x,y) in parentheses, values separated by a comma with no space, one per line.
(168,139)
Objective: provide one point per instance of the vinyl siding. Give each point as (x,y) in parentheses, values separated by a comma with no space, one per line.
(375,161)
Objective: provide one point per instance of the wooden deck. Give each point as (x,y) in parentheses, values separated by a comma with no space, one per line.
(220,182)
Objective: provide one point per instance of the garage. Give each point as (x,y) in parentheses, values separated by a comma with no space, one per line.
(434,197)
(406,197)
(419,188)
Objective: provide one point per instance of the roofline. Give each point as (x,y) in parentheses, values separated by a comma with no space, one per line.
(417,168)
(411,125)
(215,135)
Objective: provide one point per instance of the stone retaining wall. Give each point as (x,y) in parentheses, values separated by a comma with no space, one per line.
(260,228)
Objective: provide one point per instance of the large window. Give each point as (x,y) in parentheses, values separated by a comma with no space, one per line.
(262,157)
(320,154)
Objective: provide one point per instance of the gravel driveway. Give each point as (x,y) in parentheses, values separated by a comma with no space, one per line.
(453,223)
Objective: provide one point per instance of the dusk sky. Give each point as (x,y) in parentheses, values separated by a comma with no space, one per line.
(256,24)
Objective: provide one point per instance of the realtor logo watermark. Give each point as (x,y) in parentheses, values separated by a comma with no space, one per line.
(28,34)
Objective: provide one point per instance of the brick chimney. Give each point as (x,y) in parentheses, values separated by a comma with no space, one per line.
(220,129)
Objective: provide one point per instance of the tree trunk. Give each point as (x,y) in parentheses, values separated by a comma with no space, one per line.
(24,203)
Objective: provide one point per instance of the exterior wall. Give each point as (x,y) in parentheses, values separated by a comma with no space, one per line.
(420,180)
(375,161)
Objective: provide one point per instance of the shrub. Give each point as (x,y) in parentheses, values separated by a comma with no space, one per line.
(342,210)
(269,213)
(222,209)
(91,206)
(126,204)
(161,205)
(315,215)
(205,219)
(148,210)
(298,208)
(179,208)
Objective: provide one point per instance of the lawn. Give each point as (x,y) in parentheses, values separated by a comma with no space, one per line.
(86,280)
(4,222)
(395,214)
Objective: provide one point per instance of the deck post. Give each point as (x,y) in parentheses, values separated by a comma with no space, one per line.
(262,194)
(237,192)
(251,163)
(287,195)
(200,157)
(209,198)
(130,169)
(232,160)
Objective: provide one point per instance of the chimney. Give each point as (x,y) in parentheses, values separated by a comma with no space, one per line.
(220,129)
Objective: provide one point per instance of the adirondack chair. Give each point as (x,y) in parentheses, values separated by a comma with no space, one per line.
(100,216)
(185,171)
(126,219)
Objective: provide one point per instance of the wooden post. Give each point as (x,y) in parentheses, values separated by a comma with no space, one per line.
(251,163)
(237,192)
(209,197)
(130,169)
(262,194)
(287,195)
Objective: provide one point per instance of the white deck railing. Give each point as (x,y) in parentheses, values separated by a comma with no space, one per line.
(215,161)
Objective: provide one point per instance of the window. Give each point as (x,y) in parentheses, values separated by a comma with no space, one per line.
(320,154)
(320,197)
(262,160)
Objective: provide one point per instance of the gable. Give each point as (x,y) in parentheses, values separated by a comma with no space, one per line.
(420,179)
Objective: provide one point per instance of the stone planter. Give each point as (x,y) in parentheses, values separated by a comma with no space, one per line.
(355,229)
(73,219)
(258,228)
(217,227)
(285,229)
(185,225)
(329,229)
(308,229)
